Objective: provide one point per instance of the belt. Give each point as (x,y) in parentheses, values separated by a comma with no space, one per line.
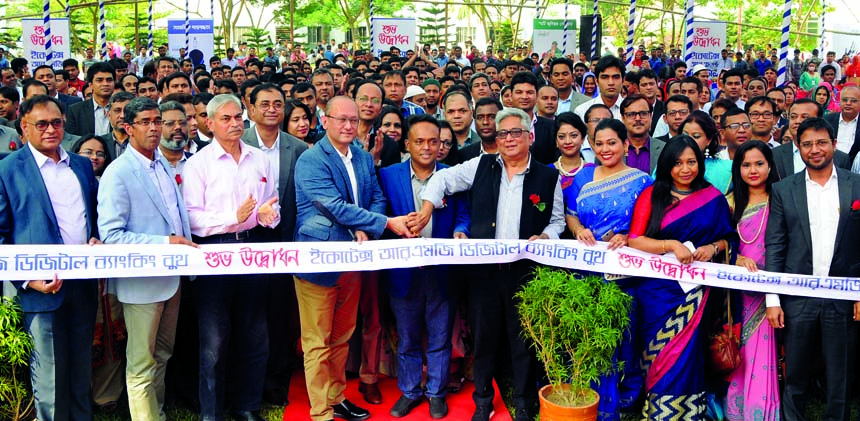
(230,237)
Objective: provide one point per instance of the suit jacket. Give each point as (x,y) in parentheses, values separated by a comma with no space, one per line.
(9,137)
(544,149)
(783,157)
(290,149)
(833,119)
(789,241)
(469,152)
(27,215)
(657,145)
(69,99)
(201,143)
(132,211)
(80,119)
(656,116)
(396,183)
(324,200)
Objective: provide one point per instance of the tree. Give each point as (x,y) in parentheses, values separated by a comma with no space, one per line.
(769,15)
(258,38)
(434,28)
(347,14)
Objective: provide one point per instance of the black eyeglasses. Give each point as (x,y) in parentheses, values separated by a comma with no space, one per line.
(42,125)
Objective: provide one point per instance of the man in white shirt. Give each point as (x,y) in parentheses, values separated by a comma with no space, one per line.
(845,122)
(811,231)
(610,76)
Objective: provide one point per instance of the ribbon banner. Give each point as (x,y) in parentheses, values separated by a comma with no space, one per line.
(19,262)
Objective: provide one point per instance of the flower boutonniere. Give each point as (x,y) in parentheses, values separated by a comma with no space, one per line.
(537,203)
(178,180)
(856,205)
(13,145)
(444,202)
(264,179)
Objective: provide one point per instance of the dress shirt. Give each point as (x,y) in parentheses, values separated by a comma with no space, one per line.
(615,108)
(163,180)
(418,186)
(119,147)
(67,198)
(202,137)
(350,170)
(461,177)
(229,62)
(273,154)
(180,165)
(564,104)
(640,159)
(823,202)
(662,128)
(102,121)
(799,165)
(216,185)
(845,137)
(463,61)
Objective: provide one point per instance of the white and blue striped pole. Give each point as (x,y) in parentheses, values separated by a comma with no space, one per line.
(783,45)
(823,12)
(68,10)
(688,20)
(187,29)
(372,39)
(46,21)
(537,9)
(102,30)
(631,21)
(149,48)
(564,39)
(594,31)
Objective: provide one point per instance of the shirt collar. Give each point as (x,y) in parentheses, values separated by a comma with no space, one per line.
(829,180)
(41,158)
(843,121)
(646,146)
(412,172)
(528,165)
(146,162)
(262,145)
(220,152)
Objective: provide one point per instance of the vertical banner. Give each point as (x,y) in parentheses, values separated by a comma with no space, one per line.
(706,42)
(392,32)
(201,39)
(33,39)
(546,31)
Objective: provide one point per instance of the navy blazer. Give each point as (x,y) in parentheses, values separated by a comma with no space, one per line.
(325,207)
(27,215)
(396,183)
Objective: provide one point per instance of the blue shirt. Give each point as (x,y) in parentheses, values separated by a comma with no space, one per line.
(761,66)
(409,108)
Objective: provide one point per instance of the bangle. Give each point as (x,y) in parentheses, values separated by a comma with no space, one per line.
(716,248)
(663,247)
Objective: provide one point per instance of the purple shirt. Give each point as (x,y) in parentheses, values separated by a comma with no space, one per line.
(641,159)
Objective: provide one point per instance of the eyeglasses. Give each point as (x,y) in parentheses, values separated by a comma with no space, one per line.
(344,120)
(147,123)
(172,123)
(447,144)
(503,134)
(735,126)
(42,125)
(764,115)
(596,120)
(808,144)
(271,106)
(850,100)
(633,114)
(89,153)
(681,113)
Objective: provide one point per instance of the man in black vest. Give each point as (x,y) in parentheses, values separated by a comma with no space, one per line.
(522,200)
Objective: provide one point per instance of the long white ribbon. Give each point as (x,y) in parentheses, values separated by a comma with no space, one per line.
(19,262)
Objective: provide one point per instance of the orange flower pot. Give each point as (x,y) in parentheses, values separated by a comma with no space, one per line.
(550,411)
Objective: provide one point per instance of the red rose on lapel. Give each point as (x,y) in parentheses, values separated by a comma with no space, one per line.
(178,179)
(535,199)
(263,179)
(855,205)
(13,146)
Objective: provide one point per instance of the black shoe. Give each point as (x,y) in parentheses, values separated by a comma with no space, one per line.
(438,408)
(404,406)
(483,413)
(346,410)
(246,416)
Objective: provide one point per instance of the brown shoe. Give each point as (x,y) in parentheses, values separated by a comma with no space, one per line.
(371,393)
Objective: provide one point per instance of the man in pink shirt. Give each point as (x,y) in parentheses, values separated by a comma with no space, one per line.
(229,189)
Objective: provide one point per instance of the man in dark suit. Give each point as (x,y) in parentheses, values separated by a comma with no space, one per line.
(46,75)
(421,298)
(485,124)
(533,209)
(812,230)
(845,122)
(117,138)
(282,150)
(337,199)
(91,116)
(644,151)
(786,157)
(524,94)
(48,196)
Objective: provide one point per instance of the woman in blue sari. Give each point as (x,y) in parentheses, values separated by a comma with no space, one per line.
(600,205)
(701,127)
(683,214)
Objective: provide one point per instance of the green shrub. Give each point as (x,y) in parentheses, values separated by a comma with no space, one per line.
(15,346)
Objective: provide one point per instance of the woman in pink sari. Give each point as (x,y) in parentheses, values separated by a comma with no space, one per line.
(753,392)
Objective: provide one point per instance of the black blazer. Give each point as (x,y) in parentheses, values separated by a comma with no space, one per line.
(69,99)
(833,119)
(783,156)
(789,241)
(80,119)
(656,116)
(544,149)
(469,152)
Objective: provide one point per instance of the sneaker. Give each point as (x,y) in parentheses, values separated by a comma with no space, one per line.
(404,406)
(346,410)
(438,408)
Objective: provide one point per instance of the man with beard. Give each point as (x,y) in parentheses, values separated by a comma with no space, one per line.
(561,77)
(485,124)
(117,137)
(432,90)
(763,114)
(174,138)
(187,101)
(281,150)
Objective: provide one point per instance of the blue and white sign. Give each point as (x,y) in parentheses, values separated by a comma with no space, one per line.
(201,39)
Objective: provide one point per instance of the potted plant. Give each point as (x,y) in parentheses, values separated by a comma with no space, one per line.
(575,323)
(16,402)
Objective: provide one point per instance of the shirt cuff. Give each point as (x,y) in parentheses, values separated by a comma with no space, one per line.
(771,300)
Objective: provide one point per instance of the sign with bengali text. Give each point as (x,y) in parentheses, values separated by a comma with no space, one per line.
(393,32)
(709,38)
(33,42)
(22,262)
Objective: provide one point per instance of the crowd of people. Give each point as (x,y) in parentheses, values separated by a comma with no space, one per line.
(728,168)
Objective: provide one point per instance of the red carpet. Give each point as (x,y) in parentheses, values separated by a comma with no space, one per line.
(460,405)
